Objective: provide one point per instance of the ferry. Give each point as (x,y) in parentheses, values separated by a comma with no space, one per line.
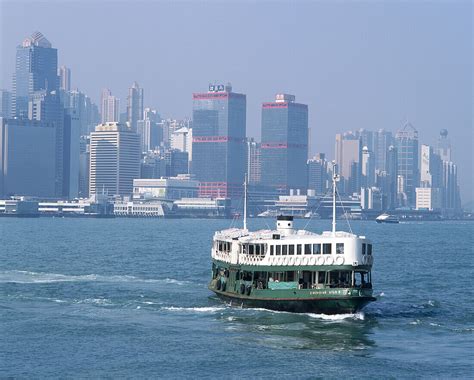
(387,218)
(292,270)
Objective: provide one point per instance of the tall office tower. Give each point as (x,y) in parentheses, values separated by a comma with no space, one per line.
(407,147)
(451,200)
(5,103)
(149,130)
(110,107)
(444,146)
(219,127)
(254,162)
(368,168)
(64,74)
(284,148)
(84,167)
(134,105)
(318,174)
(182,139)
(367,138)
(114,159)
(348,159)
(431,168)
(27,158)
(47,107)
(71,156)
(36,69)
(177,162)
(382,141)
(86,111)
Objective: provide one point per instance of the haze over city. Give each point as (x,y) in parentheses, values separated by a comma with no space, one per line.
(356,65)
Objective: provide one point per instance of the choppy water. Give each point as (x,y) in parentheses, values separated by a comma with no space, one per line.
(128,298)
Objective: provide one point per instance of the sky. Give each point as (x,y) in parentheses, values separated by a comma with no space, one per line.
(372,65)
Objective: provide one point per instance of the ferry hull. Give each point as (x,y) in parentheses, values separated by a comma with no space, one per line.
(336,305)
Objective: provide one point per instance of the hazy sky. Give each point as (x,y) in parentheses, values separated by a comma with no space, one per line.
(357,65)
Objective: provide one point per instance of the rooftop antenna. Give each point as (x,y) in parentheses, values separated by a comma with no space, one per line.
(245,202)
(335,178)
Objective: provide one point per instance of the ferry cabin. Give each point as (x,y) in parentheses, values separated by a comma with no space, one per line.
(284,260)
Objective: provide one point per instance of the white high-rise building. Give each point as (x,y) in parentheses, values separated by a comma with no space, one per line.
(64,74)
(428,198)
(110,107)
(114,159)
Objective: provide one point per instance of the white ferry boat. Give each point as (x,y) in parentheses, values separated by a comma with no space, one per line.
(293,270)
(387,218)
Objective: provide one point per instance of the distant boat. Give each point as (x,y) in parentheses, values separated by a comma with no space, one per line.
(387,218)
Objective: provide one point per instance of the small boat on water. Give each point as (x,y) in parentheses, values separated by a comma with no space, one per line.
(387,218)
(293,270)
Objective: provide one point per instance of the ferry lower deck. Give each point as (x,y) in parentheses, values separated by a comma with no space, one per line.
(317,289)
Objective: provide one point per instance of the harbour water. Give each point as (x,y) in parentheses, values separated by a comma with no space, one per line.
(129,298)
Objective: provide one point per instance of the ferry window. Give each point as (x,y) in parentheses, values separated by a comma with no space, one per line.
(298,249)
(284,251)
(245,248)
(292,249)
(327,248)
(369,249)
(290,276)
(251,249)
(363,248)
(271,250)
(321,277)
(307,249)
(219,246)
(278,250)
(257,249)
(340,248)
(316,249)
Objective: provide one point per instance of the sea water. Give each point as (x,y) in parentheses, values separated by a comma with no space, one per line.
(129,298)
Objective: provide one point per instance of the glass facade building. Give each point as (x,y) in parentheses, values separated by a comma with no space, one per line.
(219,148)
(36,68)
(407,161)
(284,148)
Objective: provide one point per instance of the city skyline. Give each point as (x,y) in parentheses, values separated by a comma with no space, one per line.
(433,93)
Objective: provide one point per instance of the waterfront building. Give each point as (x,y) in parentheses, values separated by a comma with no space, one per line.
(428,198)
(5,103)
(367,168)
(165,188)
(46,106)
(36,69)
(110,107)
(318,174)
(177,162)
(150,130)
(84,163)
(114,159)
(382,141)
(284,148)
(451,200)
(219,128)
(64,74)
(348,153)
(27,158)
(371,198)
(430,168)
(134,105)
(444,146)
(408,169)
(254,162)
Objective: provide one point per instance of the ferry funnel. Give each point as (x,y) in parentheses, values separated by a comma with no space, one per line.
(285,224)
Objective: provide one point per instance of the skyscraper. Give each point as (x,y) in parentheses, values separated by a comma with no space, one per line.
(431,168)
(382,141)
(5,103)
(149,130)
(317,174)
(444,146)
(114,159)
(46,106)
(219,128)
(27,158)
(110,107)
(284,148)
(64,78)
(367,168)
(348,155)
(408,171)
(254,162)
(36,69)
(134,105)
